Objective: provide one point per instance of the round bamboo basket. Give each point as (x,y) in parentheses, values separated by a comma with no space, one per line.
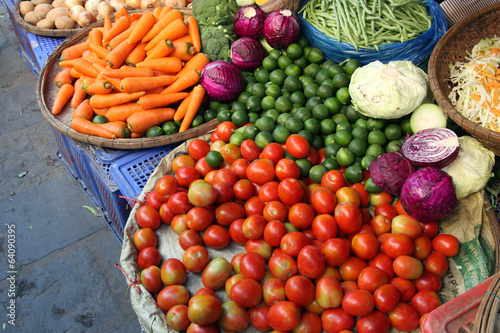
(453,47)
(46,91)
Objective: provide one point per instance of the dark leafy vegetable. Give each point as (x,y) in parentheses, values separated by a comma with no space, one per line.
(390,170)
(281,28)
(249,21)
(223,81)
(247,53)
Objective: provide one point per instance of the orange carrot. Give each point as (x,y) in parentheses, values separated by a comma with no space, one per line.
(174,30)
(161,50)
(140,121)
(63,95)
(86,81)
(183,50)
(122,111)
(99,87)
(84,110)
(163,22)
(85,67)
(137,55)
(197,96)
(145,23)
(122,12)
(116,57)
(167,64)
(151,101)
(125,71)
(164,12)
(185,38)
(95,37)
(85,126)
(134,135)
(109,100)
(120,38)
(189,79)
(194,32)
(107,25)
(64,76)
(121,24)
(182,108)
(154,90)
(131,84)
(79,94)
(118,128)
(157,11)
(198,61)
(69,63)
(74,73)
(115,82)
(101,51)
(74,51)
(101,112)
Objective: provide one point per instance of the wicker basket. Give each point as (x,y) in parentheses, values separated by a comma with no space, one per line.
(453,47)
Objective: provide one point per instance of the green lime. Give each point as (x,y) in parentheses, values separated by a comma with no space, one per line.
(238,105)
(343,109)
(294,125)
(209,114)
(354,174)
(273,113)
(283,104)
(223,115)
(197,120)
(274,54)
(315,55)
(329,82)
(358,147)
(345,157)
(304,166)
(273,90)
(352,114)
(306,80)
(331,150)
(250,131)
(170,127)
(265,123)
(343,125)
(253,104)
(405,126)
(294,51)
(328,64)
(311,90)
(292,84)
(366,161)
(154,131)
(375,124)
(269,63)
(343,137)
(237,138)
(239,117)
(243,97)
(302,62)
(377,137)
(213,105)
(285,92)
(100,119)
(312,125)
(394,145)
(262,75)
(293,70)
(320,112)
(322,76)
(267,103)
(306,50)
(341,80)
(308,135)
(331,163)
(248,88)
(339,118)
(252,117)
(393,132)
(325,91)
(317,142)
(343,95)
(302,41)
(263,139)
(280,134)
(327,126)
(317,172)
(361,123)
(374,150)
(351,65)
(214,158)
(371,187)
(282,118)
(329,139)
(258,89)
(298,97)
(335,69)
(249,78)
(311,70)
(360,133)
(313,101)
(333,104)
(302,114)
(277,76)
(284,61)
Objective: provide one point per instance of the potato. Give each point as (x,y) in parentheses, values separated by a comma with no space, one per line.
(57,12)
(45,24)
(25,7)
(37,2)
(33,17)
(58,3)
(64,22)
(43,8)
(71,3)
(73,12)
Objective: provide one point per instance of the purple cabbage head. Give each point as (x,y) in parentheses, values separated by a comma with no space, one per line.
(223,81)
(390,170)
(247,53)
(249,21)
(281,28)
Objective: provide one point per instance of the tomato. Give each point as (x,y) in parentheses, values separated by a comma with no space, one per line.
(171,296)
(215,274)
(408,267)
(324,227)
(228,212)
(216,237)
(430,229)
(230,152)
(365,229)
(234,318)
(149,256)
(311,262)
(309,323)
(195,328)
(301,215)
(253,266)
(258,316)
(236,233)
(166,213)
(143,238)
(380,224)
(423,247)
(333,180)
(224,130)
(273,151)
(198,148)
(348,194)
(179,203)
(290,191)
(323,200)
(204,309)
(380,198)
(195,258)
(386,209)
(225,176)
(148,217)
(199,218)
(297,146)
(179,223)
(293,242)
(253,206)
(261,171)
(259,246)
(273,232)
(253,226)
(428,281)
(405,287)
(375,322)
(287,168)
(407,225)
(153,200)
(182,161)
(348,217)
(231,281)
(446,244)
(177,318)
(386,297)
(151,279)
(351,268)
(358,302)
(437,263)
(189,238)
(336,251)
(404,317)
(243,189)
(364,196)
(187,174)
(328,292)
(336,320)
(397,245)
(246,293)
(249,150)
(300,290)
(269,192)
(273,291)
(239,167)
(284,316)
(424,301)
(282,266)
(384,262)
(204,291)
(365,245)
(371,278)
(202,194)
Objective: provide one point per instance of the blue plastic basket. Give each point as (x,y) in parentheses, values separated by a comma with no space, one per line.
(68,160)
(42,48)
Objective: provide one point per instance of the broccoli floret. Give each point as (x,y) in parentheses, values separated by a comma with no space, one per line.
(214,12)
(216,42)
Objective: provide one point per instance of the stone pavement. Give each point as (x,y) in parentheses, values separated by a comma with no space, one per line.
(57,257)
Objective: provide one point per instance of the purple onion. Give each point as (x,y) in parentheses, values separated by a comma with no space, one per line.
(249,21)
(247,53)
(222,81)
(281,28)
(390,170)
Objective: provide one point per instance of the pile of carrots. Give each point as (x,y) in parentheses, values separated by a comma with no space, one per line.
(139,71)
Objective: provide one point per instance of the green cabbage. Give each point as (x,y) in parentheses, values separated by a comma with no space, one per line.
(472,168)
(388,91)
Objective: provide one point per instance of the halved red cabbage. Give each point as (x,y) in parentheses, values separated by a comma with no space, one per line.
(390,170)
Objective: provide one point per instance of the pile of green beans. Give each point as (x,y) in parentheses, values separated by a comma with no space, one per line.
(368,23)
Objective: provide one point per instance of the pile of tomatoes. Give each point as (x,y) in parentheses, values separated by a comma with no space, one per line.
(317,256)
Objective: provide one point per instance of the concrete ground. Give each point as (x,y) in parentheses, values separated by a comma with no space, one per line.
(57,257)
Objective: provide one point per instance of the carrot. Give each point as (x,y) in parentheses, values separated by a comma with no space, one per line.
(182,108)
(99,87)
(79,94)
(121,24)
(101,112)
(131,84)
(109,100)
(64,76)
(88,54)
(69,63)
(164,12)
(84,110)
(163,22)
(86,81)
(194,32)
(85,67)
(151,101)
(74,51)
(63,95)
(134,135)
(154,90)
(116,57)
(157,11)
(174,30)
(122,12)
(74,73)
(185,38)
(161,50)
(198,61)
(140,121)
(121,37)
(137,55)
(115,82)
(100,50)
(166,64)
(85,126)
(118,128)
(107,25)
(183,50)
(95,37)
(125,71)
(189,79)
(122,111)
(197,96)
(145,23)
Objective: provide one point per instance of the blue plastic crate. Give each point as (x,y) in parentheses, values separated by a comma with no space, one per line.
(62,146)
(42,47)
(103,157)
(131,173)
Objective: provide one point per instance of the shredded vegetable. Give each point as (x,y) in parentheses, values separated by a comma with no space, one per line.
(476,84)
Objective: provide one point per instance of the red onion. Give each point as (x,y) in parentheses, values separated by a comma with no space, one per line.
(390,170)
(431,147)
(247,53)
(249,21)
(222,81)
(281,28)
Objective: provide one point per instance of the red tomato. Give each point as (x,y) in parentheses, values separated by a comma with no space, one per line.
(253,226)
(149,256)
(186,174)
(284,316)
(151,279)
(380,198)
(179,203)
(405,287)
(215,274)
(273,151)
(348,217)
(348,194)
(323,200)
(177,318)
(275,210)
(173,272)
(224,193)
(384,262)
(293,242)
(258,317)
(429,281)
(365,245)
(311,262)
(324,227)
(336,251)
(198,148)
(425,301)
(225,176)
(199,218)
(328,293)
(166,213)
(430,229)
(253,266)
(386,209)
(423,247)
(273,291)
(204,309)
(261,171)
(309,323)
(330,271)
(249,150)
(195,258)
(259,246)
(290,191)
(269,192)
(336,320)
(224,130)
(358,302)
(333,180)
(203,194)
(246,293)
(282,266)
(300,290)
(228,212)
(408,267)
(148,217)
(195,328)
(297,146)
(406,225)
(273,232)
(375,322)
(386,297)
(404,317)
(287,168)
(153,200)
(364,196)
(144,238)
(182,161)
(234,318)
(171,296)
(179,223)
(236,232)
(446,244)
(239,167)
(371,278)
(437,263)
(397,245)
(231,281)
(216,237)
(254,206)
(301,215)
(380,224)
(351,268)
(189,238)
(230,152)
(243,189)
